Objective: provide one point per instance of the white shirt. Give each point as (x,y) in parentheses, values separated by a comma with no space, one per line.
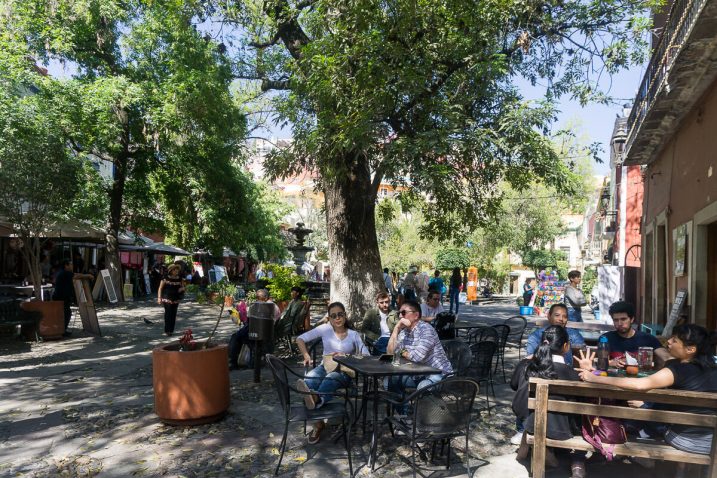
(352,344)
(427,311)
(384,324)
(558,359)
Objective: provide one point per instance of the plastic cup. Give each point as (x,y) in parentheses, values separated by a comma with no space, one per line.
(396,359)
(644,358)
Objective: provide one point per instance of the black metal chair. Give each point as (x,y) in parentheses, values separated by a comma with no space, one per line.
(481,367)
(316,350)
(299,413)
(441,411)
(503,331)
(445,325)
(517,325)
(459,354)
(482,334)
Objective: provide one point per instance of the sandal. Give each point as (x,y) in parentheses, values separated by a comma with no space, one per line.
(309,398)
(315,434)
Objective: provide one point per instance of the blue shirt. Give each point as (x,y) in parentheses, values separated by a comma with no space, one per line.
(534,342)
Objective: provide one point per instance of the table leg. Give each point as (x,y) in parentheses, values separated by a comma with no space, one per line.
(374,444)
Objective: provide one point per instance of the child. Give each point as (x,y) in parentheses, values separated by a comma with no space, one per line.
(547,363)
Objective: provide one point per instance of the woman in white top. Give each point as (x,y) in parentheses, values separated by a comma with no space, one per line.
(337,338)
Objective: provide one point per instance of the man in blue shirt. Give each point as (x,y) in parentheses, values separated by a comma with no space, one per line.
(557,315)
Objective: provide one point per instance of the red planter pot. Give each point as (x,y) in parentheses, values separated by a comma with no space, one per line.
(190,388)
(52,325)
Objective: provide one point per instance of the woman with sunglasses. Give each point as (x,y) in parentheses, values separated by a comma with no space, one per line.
(337,337)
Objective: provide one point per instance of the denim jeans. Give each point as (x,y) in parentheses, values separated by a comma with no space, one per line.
(399,383)
(575,315)
(321,381)
(379,346)
(453,298)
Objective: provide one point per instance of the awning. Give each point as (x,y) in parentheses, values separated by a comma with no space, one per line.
(167,249)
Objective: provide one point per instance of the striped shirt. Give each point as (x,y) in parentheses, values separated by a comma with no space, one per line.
(424,346)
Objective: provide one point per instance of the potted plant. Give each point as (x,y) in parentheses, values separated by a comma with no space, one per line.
(39,180)
(191,379)
(284,278)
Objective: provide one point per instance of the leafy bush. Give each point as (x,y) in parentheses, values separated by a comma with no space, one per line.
(284,278)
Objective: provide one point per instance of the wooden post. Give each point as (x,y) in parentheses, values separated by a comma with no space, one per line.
(541,424)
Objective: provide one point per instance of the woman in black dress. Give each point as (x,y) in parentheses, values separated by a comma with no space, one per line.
(170,293)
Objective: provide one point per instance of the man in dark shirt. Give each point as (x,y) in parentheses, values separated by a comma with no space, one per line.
(626,339)
(64,289)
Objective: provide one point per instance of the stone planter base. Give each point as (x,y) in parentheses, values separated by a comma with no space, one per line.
(190,388)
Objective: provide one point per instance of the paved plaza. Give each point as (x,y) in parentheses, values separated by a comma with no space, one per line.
(83,407)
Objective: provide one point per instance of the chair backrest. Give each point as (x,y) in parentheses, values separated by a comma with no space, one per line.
(316,350)
(444,408)
(503,331)
(482,354)
(483,334)
(281,380)
(459,354)
(517,325)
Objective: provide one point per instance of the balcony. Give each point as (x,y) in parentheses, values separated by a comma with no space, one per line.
(675,78)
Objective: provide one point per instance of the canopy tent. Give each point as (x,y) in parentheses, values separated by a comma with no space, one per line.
(167,249)
(63,230)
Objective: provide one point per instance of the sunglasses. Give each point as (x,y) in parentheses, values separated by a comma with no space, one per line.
(338,315)
(406,311)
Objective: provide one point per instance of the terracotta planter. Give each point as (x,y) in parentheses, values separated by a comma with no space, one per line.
(190,388)
(52,325)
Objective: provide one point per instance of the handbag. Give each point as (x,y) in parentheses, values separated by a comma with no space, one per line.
(603,433)
(330,365)
(244,355)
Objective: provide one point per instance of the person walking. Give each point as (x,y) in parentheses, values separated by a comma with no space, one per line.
(528,289)
(436,283)
(574,297)
(410,284)
(454,290)
(170,293)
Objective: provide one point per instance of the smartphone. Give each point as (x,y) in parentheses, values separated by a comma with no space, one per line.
(385,358)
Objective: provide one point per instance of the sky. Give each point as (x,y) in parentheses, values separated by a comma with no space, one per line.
(594,121)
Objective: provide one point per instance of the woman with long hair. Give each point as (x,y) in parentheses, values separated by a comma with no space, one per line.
(170,293)
(693,369)
(338,338)
(548,363)
(454,289)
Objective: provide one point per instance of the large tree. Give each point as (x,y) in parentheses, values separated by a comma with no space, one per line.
(421,94)
(149,92)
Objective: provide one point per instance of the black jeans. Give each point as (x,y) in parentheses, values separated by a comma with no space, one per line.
(170,317)
(68,313)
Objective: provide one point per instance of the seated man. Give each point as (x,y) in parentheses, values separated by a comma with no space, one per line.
(557,315)
(418,342)
(626,339)
(378,323)
(291,322)
(432,307)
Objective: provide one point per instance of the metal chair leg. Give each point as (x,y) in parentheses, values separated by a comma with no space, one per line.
(347,442)
(283,447)
(448,458)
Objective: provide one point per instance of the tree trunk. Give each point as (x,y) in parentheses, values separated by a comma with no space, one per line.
(112,257)
(353,248)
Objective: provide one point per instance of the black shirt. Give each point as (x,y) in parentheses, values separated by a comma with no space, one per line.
(63,285)
(619,345)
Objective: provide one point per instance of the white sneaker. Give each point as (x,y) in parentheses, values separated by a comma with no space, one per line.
(515,439)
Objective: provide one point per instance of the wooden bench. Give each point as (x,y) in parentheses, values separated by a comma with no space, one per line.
(11,314)
(571,393)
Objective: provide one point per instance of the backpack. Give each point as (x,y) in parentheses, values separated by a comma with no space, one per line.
(603,433)
(444,325)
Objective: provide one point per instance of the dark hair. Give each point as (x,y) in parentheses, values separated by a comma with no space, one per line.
(382,295)
(697,336)
(622,307)
(413,305)
(432,293)
(66,262)
(559,305)
(385,269)
(298,289)
(437,273)
(552,342)
(573,274)
(349,324)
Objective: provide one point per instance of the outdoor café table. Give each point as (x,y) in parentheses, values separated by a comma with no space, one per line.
(372,367)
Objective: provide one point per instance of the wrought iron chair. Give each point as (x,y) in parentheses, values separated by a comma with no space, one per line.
(481,367)
(459,354)
(441,411)
(299,413)
(503,331)
(482,334)
(517,325)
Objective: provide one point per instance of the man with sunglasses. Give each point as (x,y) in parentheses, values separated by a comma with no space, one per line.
(432,307)
(418,342)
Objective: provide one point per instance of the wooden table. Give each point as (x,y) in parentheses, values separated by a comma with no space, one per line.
(599,326)
(372,367)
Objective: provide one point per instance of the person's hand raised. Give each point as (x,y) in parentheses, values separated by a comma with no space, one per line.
(585,361)
(404,323)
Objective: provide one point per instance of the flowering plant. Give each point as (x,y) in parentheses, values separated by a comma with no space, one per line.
(187,341)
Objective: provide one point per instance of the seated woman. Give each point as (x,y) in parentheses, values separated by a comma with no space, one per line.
(337,337)
(692,369)
(547,363)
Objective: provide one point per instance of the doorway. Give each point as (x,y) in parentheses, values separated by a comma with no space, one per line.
(711,311)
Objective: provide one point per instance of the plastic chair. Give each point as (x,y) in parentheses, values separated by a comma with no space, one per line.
(482,334)
(503,331)
(481,367)
(441,411)
(517,325)
(299,413)
(459,354)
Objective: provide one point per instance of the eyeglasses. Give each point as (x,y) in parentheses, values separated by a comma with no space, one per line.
(338,315)
(406,311)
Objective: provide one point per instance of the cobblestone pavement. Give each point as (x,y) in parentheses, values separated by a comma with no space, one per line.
(83,406)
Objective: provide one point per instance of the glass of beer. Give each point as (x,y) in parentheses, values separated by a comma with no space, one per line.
(644,358)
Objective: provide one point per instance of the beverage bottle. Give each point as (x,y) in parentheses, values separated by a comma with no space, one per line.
(603,354)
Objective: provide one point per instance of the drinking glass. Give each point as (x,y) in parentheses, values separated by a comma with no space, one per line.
(396,358)
(644,358)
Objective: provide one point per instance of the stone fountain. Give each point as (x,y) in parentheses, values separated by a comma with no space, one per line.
(299,250)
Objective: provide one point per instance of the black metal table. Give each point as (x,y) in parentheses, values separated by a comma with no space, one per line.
(372,367)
